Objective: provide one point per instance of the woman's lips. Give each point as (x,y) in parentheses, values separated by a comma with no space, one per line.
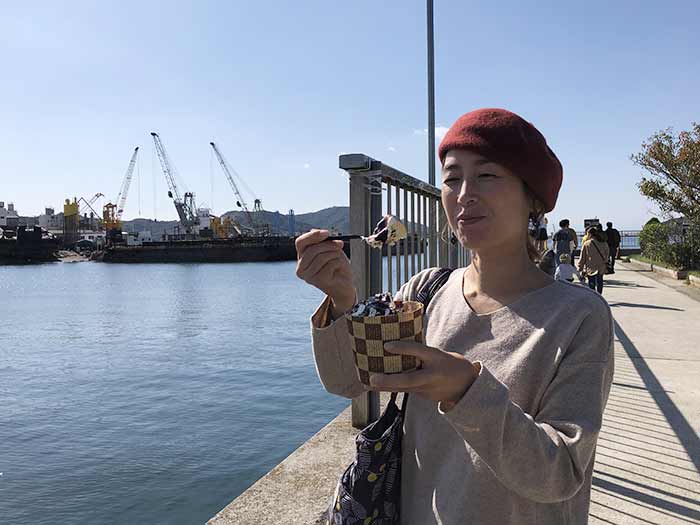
(468,221)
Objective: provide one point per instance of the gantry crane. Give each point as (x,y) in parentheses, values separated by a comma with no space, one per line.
(186,209)
(112,213)
(257,227)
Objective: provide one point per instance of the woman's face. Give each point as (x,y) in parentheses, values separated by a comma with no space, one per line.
(486,204)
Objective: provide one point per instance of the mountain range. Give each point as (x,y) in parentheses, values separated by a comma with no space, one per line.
(336,218)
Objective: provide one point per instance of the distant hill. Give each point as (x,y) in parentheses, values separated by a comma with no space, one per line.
(337,217)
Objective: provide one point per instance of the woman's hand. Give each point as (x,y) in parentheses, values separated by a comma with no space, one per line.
(323,264)
(443,376)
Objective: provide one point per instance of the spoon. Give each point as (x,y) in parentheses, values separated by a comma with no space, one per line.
(389,231)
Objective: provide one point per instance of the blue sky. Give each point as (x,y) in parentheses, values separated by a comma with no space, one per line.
(284,87)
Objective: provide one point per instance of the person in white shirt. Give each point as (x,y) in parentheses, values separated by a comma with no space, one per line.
(565,270)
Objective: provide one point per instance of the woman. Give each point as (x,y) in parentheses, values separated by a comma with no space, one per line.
(593,260)
(504,415)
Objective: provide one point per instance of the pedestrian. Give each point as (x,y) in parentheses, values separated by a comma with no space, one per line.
(566,271)
(543,236)
(574,240)
(594,259)
(504,414)
(613,245)
(561,241)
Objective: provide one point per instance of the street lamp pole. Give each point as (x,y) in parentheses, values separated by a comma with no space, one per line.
(431,97)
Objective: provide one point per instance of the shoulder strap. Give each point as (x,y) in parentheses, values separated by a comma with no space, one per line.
(432,285)
(597,249)
(424,295)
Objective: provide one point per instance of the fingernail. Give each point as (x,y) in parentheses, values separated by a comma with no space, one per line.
(389,346)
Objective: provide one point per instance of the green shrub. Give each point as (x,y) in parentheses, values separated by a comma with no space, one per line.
(668,244)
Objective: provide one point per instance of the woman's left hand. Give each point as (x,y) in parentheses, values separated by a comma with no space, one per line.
(444,376)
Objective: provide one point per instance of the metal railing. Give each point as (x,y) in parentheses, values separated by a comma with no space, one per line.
(377,189)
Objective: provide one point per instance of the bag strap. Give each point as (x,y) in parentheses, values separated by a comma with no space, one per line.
(598,250)
(430,288)
(425,295)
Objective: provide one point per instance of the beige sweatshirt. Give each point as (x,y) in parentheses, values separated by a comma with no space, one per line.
(518,448)
(594,257)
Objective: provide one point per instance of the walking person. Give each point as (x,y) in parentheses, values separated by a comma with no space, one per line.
(566,271)
(539,232)
(613,245)
(561,240)
(503,417)
(594,259)
(574,240)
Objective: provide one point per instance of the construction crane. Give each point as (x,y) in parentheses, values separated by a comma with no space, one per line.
(257,228)
(186,209)
(89,203)
(112,213)
(93,215)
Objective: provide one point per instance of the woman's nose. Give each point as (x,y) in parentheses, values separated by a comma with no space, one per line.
(466,192)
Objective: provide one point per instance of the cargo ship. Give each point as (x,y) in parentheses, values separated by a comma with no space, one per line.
(239,249)
(27,246)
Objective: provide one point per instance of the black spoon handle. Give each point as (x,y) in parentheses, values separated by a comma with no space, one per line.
(343,237)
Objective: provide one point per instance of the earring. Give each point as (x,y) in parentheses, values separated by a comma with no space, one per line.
(453,238)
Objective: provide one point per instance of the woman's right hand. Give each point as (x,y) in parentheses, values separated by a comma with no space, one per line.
(323,264)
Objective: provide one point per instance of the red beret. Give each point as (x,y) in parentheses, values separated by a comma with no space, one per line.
(511,141)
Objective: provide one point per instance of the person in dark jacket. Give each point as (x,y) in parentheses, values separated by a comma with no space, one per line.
(613,245)
(561,241)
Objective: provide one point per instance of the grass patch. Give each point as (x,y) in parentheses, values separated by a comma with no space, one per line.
(641,258)
(696,273)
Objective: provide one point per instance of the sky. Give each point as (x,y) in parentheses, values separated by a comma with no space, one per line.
(284,87)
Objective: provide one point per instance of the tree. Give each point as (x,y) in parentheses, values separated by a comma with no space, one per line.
(673,164)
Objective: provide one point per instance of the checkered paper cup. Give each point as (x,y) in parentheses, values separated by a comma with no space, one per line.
(368,335)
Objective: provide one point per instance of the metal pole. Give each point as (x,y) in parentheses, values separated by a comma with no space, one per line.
(431,97)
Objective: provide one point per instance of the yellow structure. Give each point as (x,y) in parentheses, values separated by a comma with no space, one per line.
(71,222)
(109,216)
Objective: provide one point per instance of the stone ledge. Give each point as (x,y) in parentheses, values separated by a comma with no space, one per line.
(297,490)
(669,272)
(694,280)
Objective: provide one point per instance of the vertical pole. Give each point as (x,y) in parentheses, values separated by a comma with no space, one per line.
(412,233)
(419,236)
(425,230)
(407,240)
(432,225)
(431,97)
(389,273)
(363,409)
(398,244)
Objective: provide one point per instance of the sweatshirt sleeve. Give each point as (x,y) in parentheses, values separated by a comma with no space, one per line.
(544,456)
(330,344)
(583,257)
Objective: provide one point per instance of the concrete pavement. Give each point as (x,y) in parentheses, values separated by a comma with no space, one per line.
(648,460)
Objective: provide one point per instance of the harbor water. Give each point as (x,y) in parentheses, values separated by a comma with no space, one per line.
(150,393)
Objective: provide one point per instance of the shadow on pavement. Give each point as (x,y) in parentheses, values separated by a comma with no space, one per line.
(651,306)
(648,455)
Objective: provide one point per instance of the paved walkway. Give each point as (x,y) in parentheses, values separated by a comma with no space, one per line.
(648,460)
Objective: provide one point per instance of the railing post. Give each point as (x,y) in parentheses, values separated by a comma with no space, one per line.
(366,204)
(363,209)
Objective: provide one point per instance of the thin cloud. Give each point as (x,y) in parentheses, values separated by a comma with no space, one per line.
(440,132)
(307,166)
(391,148)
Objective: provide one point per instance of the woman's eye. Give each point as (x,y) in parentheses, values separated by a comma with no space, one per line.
(450,180)
(486,175)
